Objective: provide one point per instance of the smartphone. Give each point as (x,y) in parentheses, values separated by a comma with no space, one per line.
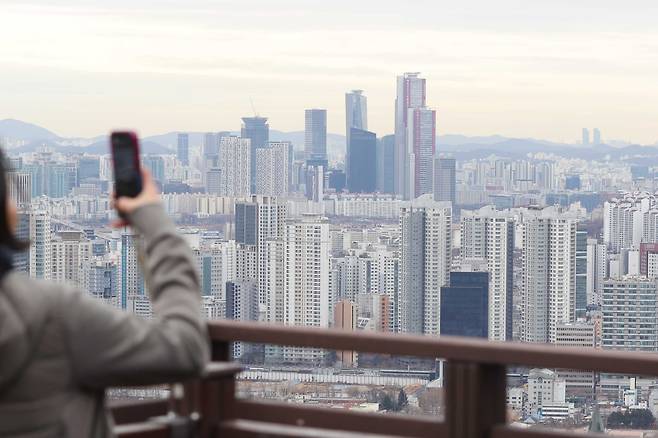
(125,158)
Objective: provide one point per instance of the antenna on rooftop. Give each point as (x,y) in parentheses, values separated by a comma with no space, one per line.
(253,108)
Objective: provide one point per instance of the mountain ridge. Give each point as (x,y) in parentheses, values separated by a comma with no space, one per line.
(31,137)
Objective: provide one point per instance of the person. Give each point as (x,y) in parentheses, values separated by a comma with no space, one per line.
(60,348)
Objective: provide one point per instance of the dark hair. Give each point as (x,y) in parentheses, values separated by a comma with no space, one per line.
(7,238)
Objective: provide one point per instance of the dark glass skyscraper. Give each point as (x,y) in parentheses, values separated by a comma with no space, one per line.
(88,167)
(315,136)
(356,116)
(386,164)
(183,149)
(246,223)
(362,162)
(257,130)
(444,179)
(155,165)
(464,305)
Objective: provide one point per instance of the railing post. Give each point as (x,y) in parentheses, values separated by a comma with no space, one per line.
(220,351)
(476,398)
(216,396)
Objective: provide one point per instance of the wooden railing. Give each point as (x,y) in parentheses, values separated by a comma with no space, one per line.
(475,388)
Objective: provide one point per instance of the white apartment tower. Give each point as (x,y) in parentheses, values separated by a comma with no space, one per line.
(40,245)
(630,315)
(234,164)
(261,223)
(421,147)
(425,259)
(20,188)
(273,170)
(132,279)
(216,262)
(306,297)
(488,235)
(410,95)
(629,221)
(71,253)
(597,270)
(549,273)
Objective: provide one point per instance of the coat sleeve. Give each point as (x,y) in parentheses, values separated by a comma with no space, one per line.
(110,347)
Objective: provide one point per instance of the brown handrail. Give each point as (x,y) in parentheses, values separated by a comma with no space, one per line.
(474,391)
(446,347)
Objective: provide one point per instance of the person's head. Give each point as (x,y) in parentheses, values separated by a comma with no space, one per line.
(9,211)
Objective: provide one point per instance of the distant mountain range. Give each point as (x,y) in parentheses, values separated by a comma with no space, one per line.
(27,137)
(25,131)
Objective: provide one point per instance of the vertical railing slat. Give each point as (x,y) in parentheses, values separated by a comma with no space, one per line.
(475,399)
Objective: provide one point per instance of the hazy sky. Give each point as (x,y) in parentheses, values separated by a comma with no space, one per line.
(519,68)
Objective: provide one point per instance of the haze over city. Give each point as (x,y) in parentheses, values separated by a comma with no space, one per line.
(314,214)
(519,69)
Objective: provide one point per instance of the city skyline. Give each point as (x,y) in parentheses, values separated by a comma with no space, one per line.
(546,77)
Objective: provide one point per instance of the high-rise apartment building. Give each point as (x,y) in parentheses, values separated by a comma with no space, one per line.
(549,273)
(88,168)
(40,245)
(102,280)
(596,137)
(410,95)
(445,179)
(315,182)
(51,178)
(273,164)
(214,181)
(132,279)
(487,235)
(257,130)
(315,136)
(242,305)
(71,253)
(425,259)
(261,223)
(597,270)
(581,271)
(271,279)
(421,147)
(21,259)
(362,276)
(183,149)
(630,315)
(156,165)
(20,188)
(648,252)
(306,298)
(585,137)
(234,161)
(630,220)
(216,262)
(211,142)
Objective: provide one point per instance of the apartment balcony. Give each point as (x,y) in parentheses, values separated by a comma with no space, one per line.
(474,392)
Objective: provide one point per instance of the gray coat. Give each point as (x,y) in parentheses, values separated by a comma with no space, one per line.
(60,348)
